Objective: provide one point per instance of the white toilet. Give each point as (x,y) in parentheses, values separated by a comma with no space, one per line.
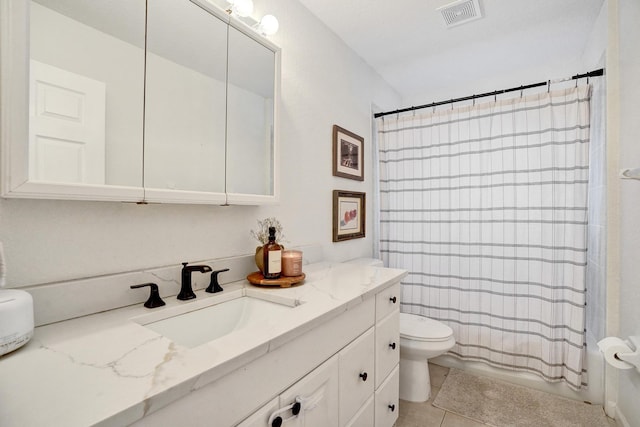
(421,339)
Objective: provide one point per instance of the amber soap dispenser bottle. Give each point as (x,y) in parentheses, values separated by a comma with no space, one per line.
(272,253)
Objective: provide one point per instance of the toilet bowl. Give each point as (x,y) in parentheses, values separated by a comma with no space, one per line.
(421,339)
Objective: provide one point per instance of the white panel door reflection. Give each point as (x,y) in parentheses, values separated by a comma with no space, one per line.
(67,126)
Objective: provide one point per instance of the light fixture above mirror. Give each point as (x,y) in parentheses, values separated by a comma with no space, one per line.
(243,10)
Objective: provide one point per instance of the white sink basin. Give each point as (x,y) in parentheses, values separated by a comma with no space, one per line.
(202,321)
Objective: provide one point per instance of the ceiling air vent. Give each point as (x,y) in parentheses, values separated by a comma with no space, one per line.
(460,12)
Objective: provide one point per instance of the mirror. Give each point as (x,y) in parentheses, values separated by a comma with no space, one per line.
(250,116)
(185,106)
(131,100)
(86,91)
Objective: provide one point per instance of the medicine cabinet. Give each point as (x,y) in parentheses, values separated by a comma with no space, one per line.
(167,101)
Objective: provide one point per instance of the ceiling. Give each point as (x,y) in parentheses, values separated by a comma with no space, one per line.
(407,43)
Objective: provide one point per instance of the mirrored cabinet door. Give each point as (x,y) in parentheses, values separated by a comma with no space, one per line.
(250,117)
(185,105)
(78,132)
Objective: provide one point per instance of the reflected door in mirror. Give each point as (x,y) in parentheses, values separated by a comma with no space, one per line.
(67,126)
(86,91)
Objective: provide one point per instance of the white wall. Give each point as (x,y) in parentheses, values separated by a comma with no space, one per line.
(323,83)
(629,104)
(594,57)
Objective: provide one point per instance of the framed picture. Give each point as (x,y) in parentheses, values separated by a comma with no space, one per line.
(348,215)
(348,154)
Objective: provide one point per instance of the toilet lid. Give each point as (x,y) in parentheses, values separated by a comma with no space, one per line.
(423,329)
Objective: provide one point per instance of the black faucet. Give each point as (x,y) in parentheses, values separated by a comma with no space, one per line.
(186,292)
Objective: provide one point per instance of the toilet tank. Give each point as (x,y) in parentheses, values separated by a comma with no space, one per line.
(374,262)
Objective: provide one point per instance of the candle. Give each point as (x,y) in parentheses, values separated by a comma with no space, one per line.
(291,263)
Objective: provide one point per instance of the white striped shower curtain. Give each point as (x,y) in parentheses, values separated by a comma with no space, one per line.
(486,207)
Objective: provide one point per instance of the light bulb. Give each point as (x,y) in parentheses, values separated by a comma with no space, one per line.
(242,7)
(269,25)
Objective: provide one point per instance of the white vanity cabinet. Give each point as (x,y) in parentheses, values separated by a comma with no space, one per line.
(387,399)
(387,354)
(356,375)
(331,370)
(365,391)
(365,415)
(260,418)
(311,402)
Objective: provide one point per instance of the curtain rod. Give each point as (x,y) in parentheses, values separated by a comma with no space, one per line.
(594,73)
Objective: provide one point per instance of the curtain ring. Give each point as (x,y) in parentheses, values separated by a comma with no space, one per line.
(587,79)
(520,91)
(434,107)
(495,96)
(451,104)
(474,100)
(548,86)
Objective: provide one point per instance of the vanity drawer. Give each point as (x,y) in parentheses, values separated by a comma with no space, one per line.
(387,400)
(387,345)
(260,418)
(365,416)
(387,301)
(356,375)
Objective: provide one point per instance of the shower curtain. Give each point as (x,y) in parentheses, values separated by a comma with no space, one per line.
(486,207)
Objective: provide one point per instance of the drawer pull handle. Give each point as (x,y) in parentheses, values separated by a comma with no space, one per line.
(393,300)
(392,408)
(392,346)
(277,422)
(295,409)
(363,376)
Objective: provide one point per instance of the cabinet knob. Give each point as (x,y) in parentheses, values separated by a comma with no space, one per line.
(392,408)
(363,376)
(295,409)
(392,346)
(393,300)
(277,422)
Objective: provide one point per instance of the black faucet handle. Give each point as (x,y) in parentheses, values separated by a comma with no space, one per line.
(154,296)
(214,286)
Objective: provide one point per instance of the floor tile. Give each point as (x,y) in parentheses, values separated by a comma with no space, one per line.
(437,374)
(453,420)
(419,415)
(426,415)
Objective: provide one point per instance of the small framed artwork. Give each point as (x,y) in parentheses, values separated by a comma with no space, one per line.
(348,154)
(348,215)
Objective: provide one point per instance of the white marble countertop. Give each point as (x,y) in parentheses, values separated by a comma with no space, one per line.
(107,370)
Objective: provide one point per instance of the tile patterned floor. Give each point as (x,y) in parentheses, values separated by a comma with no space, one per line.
(427,415)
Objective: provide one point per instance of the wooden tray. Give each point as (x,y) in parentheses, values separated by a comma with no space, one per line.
(257,278)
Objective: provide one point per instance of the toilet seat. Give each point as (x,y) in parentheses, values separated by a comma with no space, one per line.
(420,328)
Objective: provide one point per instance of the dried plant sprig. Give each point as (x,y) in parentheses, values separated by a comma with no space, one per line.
(262,234)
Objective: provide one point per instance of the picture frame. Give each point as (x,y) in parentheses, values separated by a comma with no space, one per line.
(349,215)
(348,154)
